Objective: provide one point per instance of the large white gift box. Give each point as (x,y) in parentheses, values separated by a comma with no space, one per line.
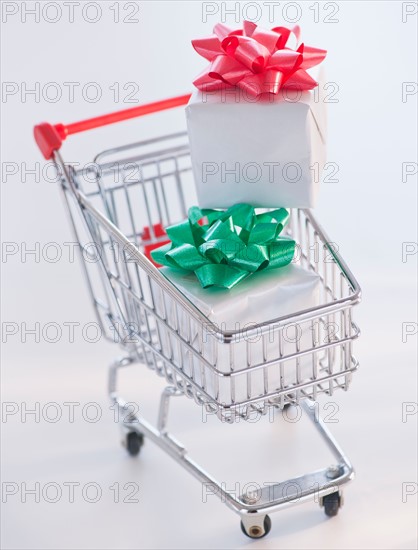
(267,151)
(263,297)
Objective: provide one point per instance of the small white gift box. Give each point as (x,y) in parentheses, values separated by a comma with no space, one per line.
(267,151)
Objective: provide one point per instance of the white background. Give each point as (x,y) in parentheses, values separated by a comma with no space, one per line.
(369,212)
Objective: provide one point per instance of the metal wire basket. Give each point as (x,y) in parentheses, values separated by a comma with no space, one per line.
(127,195)
(119,206)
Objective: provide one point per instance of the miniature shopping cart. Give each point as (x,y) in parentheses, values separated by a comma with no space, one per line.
(119,206)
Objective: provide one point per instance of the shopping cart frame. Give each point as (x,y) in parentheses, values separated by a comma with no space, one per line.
(323,485)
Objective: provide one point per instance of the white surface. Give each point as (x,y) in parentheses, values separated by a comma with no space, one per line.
(369,212)
(257,151)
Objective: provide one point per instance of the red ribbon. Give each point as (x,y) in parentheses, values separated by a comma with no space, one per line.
(256,60)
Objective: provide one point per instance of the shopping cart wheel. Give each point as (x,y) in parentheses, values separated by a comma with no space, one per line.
(332,504)
(255,532)
(134,442)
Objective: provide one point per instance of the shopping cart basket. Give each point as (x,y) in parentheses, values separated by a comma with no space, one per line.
(119,206)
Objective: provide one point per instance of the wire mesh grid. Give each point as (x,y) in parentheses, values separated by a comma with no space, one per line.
(127,196)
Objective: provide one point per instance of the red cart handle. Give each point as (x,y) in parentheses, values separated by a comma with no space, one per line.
(50,137)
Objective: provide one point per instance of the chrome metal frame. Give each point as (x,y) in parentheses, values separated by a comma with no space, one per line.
(251,507)
(232,373)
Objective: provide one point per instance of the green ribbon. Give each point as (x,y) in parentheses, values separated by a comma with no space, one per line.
(232,244)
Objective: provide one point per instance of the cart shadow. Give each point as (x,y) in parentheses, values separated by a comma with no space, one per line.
(301,521)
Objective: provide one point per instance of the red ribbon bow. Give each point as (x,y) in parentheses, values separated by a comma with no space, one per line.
(256,60)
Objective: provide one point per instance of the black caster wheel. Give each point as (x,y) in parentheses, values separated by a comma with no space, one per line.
(332,504)
(134,442)
(255,531)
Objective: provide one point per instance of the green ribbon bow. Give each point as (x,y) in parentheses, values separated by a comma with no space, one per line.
(232,245)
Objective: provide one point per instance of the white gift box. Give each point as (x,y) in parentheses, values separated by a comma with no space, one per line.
(261,297)
(264,296)
(267,151)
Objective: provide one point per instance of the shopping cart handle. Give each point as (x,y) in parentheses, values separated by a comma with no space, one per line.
(50,137)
